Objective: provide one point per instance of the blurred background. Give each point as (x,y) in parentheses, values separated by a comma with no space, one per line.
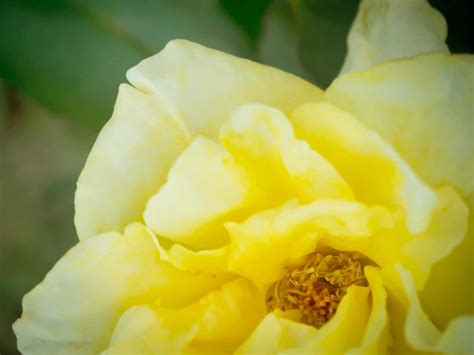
(60,65)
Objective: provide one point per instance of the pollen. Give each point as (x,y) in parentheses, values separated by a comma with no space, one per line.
(316,287)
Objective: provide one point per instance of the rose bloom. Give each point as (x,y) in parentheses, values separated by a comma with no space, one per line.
(230,207)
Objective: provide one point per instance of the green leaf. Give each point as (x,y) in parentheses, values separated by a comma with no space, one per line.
(248,14)
(71,55)
(324,28)
(278,43)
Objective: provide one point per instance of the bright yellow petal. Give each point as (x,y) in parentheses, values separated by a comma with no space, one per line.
(262,139)
(204,187)
(265,243)
(376,336)
(75,308)
(127,164)
(423,106)
(373,169)
(204,85)
(385,30)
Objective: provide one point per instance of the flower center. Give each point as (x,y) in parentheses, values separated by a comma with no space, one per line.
(316,288)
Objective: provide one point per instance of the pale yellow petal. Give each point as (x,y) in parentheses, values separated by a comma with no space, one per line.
(420,252)
(424,107)
(373,169)
(415,329)
(204,85)
(454,274)
(276,335)
(211,261)
(140,330)
(204,187)
(420,332)
(265,243)
(224,318)
(127,164)
(75,308)
(265,338)
(458,339)
(385,30)
(446,231)
(262,139)
(376,335)
(345,330)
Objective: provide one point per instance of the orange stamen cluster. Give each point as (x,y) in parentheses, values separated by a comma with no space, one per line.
(316,288)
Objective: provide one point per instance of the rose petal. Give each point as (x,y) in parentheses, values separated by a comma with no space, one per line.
(453,274)
(412,326)
(385,30)
(265,243)
(140,330)
(262,139)
(376,336)
(127,164)
(277,335)
(225,317)
(373,169)
(204,187)
(418,253)
(204,85)
(212,261)
(75,308)
(423,106)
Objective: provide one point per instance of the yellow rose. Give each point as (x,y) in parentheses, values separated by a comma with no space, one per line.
(261,215)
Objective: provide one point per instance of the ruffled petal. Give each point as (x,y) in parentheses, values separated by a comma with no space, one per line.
(264,244)
(64,314)
(215,324)
(373,169)
(447,230)
(413,328)
(204,85)
(184,90)
(457,339)
(276,335)
(454,274)
(127,164)
(423,106)
(376,336)
(140,330)
(204,187)
(348,323)
(262,139)
(420,252)
(218,322)
(211,261)
(385,30)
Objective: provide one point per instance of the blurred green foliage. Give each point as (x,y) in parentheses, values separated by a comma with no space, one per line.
(61,62)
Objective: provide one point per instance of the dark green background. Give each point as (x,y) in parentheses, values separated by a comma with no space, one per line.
(60,64)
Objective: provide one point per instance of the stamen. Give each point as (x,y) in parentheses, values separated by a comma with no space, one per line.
(316,288)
